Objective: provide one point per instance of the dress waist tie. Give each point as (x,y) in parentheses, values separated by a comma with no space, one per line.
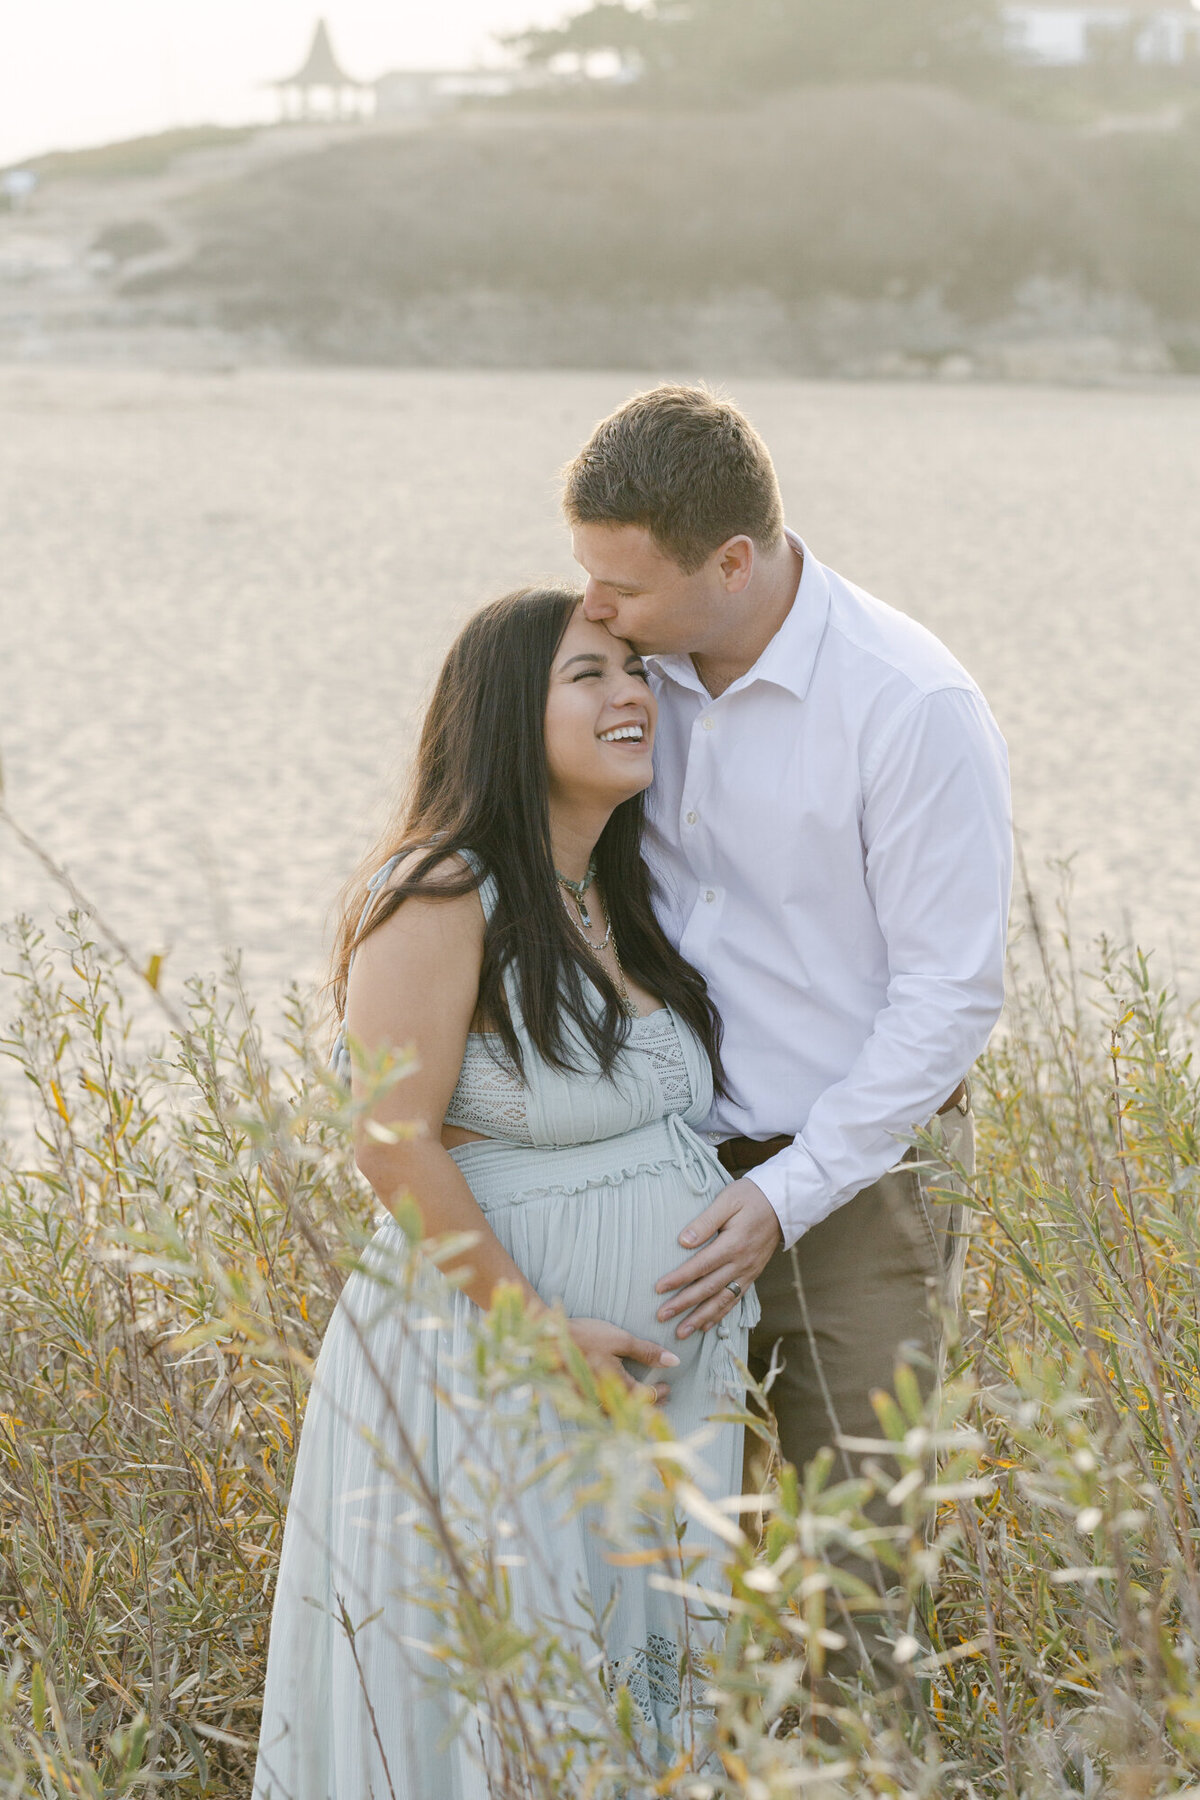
(698,1160)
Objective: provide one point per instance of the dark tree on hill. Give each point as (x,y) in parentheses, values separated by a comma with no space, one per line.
(707,47)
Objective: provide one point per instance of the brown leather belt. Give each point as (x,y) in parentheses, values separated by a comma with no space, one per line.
(738,1154)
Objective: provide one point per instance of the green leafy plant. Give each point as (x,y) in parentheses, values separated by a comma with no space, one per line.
(176,1221)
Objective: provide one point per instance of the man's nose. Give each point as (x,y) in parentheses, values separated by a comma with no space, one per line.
(595,606)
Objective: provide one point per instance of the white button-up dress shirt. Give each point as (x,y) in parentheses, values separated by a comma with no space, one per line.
(832,843)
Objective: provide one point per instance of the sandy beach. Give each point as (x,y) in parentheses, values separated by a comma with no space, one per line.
(225,595)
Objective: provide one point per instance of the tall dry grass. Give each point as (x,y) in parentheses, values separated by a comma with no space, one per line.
(172,1236)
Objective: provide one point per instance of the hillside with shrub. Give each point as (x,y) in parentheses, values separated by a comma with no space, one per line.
(824,229)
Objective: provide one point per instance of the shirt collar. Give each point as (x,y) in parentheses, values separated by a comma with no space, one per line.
(791,656)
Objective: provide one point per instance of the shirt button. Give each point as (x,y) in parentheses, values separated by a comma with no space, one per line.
(691,818)
(709,895)
(708,724)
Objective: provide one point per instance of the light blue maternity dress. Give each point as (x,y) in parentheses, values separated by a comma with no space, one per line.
(587,1182)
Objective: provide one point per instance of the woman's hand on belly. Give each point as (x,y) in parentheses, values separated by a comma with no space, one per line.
(606,1348)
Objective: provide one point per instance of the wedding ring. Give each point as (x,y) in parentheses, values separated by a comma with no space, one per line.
(734,1288)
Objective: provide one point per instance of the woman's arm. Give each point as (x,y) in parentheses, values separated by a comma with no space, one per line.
(415,981)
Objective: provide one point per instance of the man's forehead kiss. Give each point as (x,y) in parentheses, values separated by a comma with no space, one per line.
(610,565)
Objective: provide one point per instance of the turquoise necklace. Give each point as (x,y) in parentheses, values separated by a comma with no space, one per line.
(577,890)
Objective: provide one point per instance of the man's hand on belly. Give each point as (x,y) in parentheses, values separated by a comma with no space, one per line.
(747,1236)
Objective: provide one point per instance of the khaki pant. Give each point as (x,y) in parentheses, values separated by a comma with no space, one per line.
(860,1292)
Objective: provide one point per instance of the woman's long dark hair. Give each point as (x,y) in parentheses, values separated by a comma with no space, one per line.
(480,785)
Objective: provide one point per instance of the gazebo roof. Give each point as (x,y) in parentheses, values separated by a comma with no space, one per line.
(321,68)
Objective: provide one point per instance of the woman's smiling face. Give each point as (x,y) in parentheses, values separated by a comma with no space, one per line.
(600,718)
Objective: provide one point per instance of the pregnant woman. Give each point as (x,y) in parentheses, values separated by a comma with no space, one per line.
(564,1050)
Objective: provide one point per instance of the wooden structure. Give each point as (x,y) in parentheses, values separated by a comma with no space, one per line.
(321,88)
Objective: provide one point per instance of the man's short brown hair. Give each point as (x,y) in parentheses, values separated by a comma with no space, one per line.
(683,463)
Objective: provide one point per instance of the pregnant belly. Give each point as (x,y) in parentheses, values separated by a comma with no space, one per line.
(599,1253)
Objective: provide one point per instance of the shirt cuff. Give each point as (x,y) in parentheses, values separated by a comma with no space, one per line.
(797,1189)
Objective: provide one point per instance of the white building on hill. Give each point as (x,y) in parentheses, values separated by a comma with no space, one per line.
(1065,32)
(427,90)
(404,91)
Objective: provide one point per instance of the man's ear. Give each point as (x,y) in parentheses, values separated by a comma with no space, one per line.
(735,559)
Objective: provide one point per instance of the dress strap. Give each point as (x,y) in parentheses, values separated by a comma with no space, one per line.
(378,880)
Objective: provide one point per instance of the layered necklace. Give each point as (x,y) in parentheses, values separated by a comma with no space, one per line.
(578,891)
(583,924)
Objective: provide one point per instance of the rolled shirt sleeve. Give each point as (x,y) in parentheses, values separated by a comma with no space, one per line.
(937,843)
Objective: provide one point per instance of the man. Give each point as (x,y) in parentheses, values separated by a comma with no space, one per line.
(831,833)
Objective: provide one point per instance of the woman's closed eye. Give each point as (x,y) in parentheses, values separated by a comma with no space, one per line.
(638,669)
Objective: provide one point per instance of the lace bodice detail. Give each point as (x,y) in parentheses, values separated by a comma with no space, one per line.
(491,1097)
(657,1038)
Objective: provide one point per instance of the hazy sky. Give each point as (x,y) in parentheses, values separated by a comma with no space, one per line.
(85,71)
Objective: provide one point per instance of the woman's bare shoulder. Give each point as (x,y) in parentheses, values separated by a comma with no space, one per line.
(417,970)
(442,877)
(441,913)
